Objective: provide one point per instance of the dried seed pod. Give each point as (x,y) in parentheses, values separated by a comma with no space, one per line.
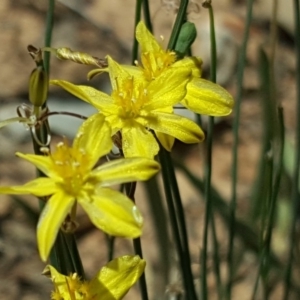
(36,54)
(79,57)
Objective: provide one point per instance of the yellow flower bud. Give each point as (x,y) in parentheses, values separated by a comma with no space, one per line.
(38,86)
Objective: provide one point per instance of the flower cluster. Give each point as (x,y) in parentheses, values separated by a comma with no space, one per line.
(112,282)
(143,97)
(139,113)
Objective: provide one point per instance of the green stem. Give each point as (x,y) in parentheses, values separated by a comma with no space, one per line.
(130,191)
(181,16)
(295,191)
(216,258)
(111,246)
(160,222)
(147,15)
(182,225)
(208,166)
(135,48)
(240,78)
(180,236)
(64,255)
(48,35)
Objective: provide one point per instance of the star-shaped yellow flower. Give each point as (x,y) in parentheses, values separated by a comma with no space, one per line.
(137,107)
(71,179)
(112,282)
(203,97)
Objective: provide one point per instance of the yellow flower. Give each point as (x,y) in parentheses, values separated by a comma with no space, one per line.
(137,107)
(203,96)
(71,179)
(112,282)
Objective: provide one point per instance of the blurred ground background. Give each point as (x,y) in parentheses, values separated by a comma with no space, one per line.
(102,27)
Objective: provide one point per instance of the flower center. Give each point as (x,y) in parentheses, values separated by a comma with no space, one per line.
(73,289)
(71,165)
(130,95)
(155,63)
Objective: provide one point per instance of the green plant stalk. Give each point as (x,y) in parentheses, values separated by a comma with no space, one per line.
(135,47)
(295,193)
(111,247)
(182,225)
(240,79)
(48,33)
(130,191)
(181,16)
(173,219)
(171,187)
(160,224)
(147,15)
(274,195)
(274,136)
(61,258)
(207,175)
(262,274)
(216,258)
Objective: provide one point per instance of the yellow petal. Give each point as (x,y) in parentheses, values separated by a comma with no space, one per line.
(146,40)
(134,71)
(116,73)
(99,100)
(94,137)
(138,142)
(51,218)
(166,140)
(117,277)
(125,170)
(59,280)
(39,187)
(168,89)
(179,127)
(192,62)
(95,72)
(43,163)
(113,212)
(207,98)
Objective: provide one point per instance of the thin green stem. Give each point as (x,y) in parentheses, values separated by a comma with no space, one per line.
(111,247)
(295,191)
(182,250)
(236,122)
(130,191)
(64,255)
(48,35)
(135,47)
(147,15)
(182,226)
(181,16)
(160,223)
(216,258)
(208,163)
(208,207)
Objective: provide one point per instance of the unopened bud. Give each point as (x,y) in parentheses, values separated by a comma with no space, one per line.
(186,38)
(38,86)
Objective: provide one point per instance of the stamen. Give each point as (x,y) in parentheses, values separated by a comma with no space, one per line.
(45,150)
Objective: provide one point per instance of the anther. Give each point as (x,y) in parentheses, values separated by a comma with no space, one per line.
(45,150)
